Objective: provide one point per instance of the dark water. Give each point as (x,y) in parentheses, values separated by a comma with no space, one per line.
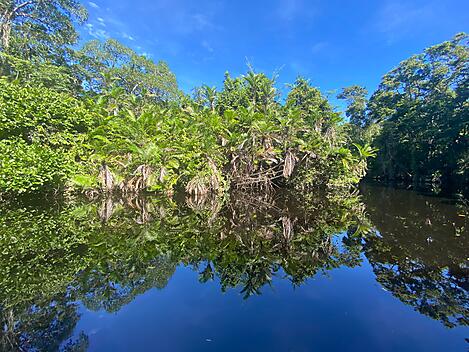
(387,272)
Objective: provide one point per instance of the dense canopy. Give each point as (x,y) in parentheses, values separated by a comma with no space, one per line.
(107,119)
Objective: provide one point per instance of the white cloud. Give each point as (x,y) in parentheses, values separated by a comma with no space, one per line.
(93,5)
(100,34)
(127,36)
(318,47)
(396,19)
(101,21)
(288,10)
(185,23)
(206,45)
(201,21)
(298,68)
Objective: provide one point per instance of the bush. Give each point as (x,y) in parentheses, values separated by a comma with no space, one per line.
(41,134)
(31,167)
(40,113)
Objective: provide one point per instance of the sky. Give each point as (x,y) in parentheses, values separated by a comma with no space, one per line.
(333,43)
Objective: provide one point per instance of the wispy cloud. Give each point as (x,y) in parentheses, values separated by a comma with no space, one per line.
(100,34)
(298,68)
(206,45)
(101,21)
(319,47)
(397,19)
(93,5)
(127,36)
(289,10)
(185,23)
(202,21)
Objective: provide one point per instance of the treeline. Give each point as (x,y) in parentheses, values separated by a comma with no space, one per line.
(418,118)
(105,119)
(102,118)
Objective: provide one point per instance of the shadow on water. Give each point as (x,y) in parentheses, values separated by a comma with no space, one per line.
(105,253)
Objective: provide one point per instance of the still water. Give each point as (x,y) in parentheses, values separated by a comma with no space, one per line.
(387,271)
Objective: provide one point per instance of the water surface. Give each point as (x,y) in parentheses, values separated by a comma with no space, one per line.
(387,272)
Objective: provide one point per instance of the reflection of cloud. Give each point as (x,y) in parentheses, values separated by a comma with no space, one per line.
(93,5)
(100,34)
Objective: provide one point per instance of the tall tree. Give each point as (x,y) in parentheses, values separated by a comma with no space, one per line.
(110,64)
(43,28)
(423,106)
(356,99)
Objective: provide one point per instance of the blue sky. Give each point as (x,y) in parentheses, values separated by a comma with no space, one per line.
(333,43)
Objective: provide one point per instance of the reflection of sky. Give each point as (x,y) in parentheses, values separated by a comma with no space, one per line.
(345,310)
(335,43)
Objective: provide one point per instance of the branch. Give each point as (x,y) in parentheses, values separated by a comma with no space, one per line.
(7,16)
(20,6)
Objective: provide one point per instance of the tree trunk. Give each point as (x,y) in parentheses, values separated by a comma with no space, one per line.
(6,21)
(5,31)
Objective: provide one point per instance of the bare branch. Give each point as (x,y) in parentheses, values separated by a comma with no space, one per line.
(24,4)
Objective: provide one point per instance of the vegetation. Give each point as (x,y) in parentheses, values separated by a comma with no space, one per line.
(142,133)
(106,252)
(134,140)
(418,118)
(106,122)
(419,252)
(40,30)
(105,119)
(55,256)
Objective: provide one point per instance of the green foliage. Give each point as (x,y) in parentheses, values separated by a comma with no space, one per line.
(104,66)
(38,74)
(37,113)
(41,29)
(207,146)
(356,98)
(41,135)
(31,167)
(204,148)
(424,112)
(252,90)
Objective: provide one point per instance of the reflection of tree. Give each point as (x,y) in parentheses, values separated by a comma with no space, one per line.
(106,253)
(420,252)
(255,236)
(41,326)
(119,285)
(53,258)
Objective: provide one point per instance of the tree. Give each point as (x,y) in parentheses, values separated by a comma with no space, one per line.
(422,106)
(36,74)
(31,28)
(106,65)
(314,108)
(206,96)
(253,90)
(356,99)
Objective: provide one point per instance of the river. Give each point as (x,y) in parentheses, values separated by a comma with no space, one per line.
(386,271)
